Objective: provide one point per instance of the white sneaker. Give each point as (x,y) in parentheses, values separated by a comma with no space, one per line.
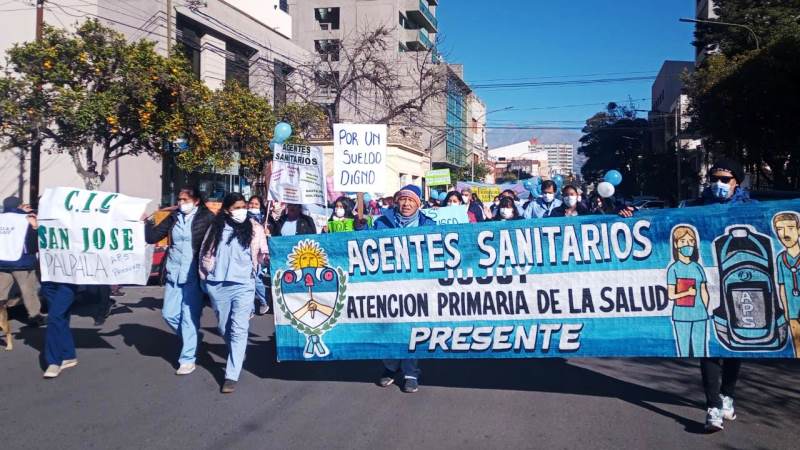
(52,371)
(185,369)
(263,309)
(727,408)
(714,420)
(68,363)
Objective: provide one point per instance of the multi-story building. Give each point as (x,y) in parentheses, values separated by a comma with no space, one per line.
(243,40)
(452,124)
(670,118)
(521,157)
(560,157)
(704,10)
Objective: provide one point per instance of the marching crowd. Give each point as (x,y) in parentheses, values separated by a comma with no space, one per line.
(224,257)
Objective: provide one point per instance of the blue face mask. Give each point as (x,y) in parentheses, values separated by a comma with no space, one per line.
(686,250)
(721,190)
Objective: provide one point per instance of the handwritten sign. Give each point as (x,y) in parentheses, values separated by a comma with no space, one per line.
(92,237)
(448,214)
(359,157)
(298,175)
(438,177)
(13,228)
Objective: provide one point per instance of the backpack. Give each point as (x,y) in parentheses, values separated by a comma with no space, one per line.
(750,316)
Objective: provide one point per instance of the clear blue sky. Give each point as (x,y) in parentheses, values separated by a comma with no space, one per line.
(559,40)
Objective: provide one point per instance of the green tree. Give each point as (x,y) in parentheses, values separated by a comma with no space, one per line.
(744,100)
(466,172)
(615,139)
(92,95)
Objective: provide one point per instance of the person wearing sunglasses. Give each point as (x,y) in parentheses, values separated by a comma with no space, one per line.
(724,185)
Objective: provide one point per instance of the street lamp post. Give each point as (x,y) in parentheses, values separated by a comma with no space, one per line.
(726,24)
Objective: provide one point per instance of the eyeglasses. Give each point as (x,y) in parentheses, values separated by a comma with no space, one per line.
(725,180)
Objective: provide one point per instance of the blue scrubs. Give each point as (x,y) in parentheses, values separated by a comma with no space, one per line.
(231,286)
(183,298)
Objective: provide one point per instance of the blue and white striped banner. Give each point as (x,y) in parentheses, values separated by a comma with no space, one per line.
(705,281)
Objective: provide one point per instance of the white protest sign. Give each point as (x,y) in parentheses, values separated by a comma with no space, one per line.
(92,237)
(359,157)
(448,214)
(298,175)
(13,228)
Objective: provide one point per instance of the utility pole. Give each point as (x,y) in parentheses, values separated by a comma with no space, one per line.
(36,148)
(678,148)
(169,27)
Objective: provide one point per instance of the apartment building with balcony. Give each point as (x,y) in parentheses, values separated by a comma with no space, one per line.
(243,40)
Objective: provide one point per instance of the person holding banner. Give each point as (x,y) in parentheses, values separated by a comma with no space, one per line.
(405,215)
(571,205)
(544,205)
(506,210)
(183,297)
(22,268)
(232,251)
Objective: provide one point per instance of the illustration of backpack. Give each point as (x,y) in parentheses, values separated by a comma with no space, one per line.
(749,317)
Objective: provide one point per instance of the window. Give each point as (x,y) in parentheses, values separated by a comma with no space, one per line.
(189,41)
(327,18)
(237,63)
(328,49)
(282,72)
(327,82)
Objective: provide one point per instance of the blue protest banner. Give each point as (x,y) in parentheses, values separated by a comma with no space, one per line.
(689,282)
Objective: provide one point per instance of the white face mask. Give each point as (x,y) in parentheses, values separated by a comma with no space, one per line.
(339,212)
(187,208)
(548,198)
(506,213)
(570,200)
(254,211)
(239,215)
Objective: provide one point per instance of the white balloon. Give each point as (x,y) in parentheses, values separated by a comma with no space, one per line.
(605,189)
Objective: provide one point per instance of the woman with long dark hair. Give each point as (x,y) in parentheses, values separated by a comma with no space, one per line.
(232,252)
(183,299)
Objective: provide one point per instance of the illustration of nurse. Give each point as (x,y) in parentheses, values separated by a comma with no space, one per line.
(686,285)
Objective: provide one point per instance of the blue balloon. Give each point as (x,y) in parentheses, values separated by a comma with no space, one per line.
(282,132)
(367,198)
(613,177)
(434,194)
(558,179)
(442,196)
(535,186)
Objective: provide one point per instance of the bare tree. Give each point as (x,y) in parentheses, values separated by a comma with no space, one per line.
(365,78)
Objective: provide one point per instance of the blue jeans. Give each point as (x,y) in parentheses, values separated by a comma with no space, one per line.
(691,337)
(409,367)
(261,290)
(183,305)
(58,344)
(232,303)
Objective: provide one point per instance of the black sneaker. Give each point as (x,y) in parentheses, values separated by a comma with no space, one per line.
(99,321)
(387,378)
(410,386)
(118,292)
(228,387)
(37,321)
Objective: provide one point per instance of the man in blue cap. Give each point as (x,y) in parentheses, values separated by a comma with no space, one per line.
(405,214)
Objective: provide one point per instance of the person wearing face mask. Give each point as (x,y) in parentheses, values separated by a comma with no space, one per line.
(474,204)
(506,210)
(256,209)
(405,214)
(293,222)
(232,252)
(183,297)
(454,198)
(544,205)
(570,204)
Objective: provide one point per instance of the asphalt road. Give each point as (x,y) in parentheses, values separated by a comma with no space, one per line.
(124,394)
